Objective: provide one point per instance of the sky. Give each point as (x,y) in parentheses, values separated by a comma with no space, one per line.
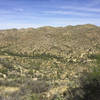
(38,13)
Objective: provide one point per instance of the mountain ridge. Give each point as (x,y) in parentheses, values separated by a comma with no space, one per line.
(55,56)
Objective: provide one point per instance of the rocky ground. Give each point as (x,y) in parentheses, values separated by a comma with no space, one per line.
(44,63)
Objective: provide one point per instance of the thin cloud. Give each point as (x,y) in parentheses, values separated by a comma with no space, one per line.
(68,13)
(82,9)
(5,12)
(16,25)
(93,3)
(10,12)
(19,9)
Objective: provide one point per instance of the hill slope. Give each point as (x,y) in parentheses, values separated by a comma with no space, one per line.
(55,55)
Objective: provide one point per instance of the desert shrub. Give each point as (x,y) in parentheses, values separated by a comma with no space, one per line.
(3,70)
(89,84)
(7,64)
(35,86)
(9,83)
(58,97)
(33,97)
(31,90)
(89,88)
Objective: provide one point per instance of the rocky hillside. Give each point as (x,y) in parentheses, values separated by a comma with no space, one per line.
(43,63)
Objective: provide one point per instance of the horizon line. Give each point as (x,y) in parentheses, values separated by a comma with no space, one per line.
(62,26)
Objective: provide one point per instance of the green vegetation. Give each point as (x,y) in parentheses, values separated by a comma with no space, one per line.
(91,86)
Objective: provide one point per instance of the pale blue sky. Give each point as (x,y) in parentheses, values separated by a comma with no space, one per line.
(36,13)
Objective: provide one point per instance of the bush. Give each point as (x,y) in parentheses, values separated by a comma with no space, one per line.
(91,85)
(89,88)
(31,90)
